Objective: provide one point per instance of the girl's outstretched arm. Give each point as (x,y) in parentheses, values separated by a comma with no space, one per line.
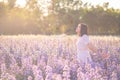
(92,47)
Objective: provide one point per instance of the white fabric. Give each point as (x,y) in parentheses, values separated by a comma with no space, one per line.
(83,54)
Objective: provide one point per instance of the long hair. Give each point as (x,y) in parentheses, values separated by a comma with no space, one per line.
(83,29)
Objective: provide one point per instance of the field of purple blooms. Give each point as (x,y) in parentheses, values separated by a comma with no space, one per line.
(30,57)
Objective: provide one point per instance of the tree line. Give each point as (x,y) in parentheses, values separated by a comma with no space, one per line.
(62,16)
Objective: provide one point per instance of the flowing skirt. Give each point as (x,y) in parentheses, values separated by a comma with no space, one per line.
(84,56)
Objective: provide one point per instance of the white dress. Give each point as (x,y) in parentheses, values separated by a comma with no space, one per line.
(83,54)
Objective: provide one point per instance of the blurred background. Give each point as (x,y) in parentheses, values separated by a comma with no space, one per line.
(59,16)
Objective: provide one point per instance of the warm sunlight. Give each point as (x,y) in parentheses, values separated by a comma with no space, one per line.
(59,39)
(112,3)
(21,3)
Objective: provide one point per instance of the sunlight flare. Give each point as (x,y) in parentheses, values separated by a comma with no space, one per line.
(21,3)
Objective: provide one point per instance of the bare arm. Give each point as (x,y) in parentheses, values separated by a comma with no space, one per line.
(92,47)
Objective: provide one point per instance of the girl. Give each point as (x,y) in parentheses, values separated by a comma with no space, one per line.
(84,44)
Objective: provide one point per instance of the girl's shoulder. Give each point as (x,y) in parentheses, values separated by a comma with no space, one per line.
(85,38)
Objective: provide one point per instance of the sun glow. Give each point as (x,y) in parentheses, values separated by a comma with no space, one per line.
(21,3)
(112,3)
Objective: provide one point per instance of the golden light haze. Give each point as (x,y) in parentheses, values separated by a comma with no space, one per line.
(112,3)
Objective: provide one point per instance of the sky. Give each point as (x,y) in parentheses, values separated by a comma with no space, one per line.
(112,3)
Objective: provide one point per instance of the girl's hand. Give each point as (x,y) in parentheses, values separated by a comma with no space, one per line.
(105,55)
(92,47)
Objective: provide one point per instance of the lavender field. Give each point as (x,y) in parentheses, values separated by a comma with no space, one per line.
(30,57)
